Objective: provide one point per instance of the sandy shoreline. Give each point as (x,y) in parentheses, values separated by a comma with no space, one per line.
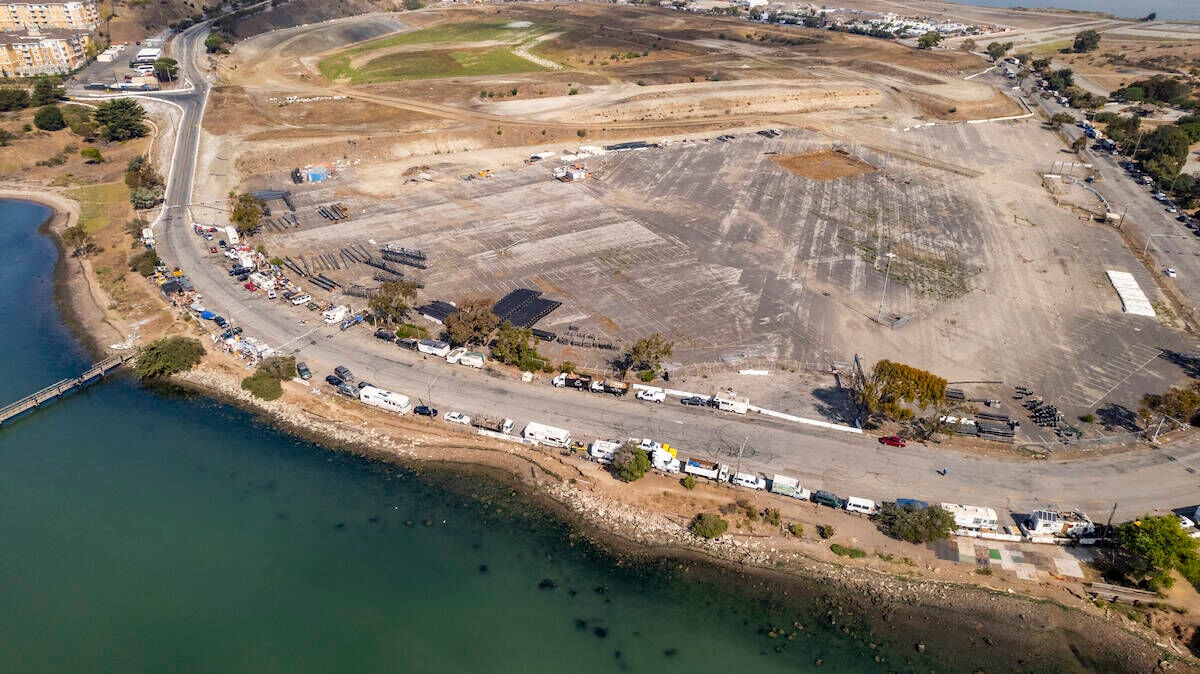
(925,611)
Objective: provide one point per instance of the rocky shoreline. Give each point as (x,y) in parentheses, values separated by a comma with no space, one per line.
(923,617)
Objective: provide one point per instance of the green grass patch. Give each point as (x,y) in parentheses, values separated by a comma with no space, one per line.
(100,205)
(435,64)
(846,551)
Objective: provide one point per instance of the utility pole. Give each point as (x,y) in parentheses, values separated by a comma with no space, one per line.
(883,295)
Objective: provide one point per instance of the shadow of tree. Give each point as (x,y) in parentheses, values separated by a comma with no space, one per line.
(1115,416)
(1187,362)
(836,404)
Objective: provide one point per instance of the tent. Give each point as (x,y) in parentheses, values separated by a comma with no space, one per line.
(207,315)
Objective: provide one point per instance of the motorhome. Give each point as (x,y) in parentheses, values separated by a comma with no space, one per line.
(735,406)
(335,315)
(546,435)
(603,451)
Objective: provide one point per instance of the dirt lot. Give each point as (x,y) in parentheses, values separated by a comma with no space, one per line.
(713,244)
(823,164)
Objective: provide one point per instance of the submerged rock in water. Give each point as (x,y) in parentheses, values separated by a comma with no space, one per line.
(600,632)
(671,652)
(483,568)
(580,624)
(547,584)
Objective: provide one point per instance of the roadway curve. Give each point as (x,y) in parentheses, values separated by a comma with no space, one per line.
(1136,481)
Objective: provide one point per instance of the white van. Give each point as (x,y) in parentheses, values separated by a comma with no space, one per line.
(602,451)
(749,481)
(861,505)
(271,293)
(302,298)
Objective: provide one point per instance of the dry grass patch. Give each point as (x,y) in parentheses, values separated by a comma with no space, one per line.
(823,164)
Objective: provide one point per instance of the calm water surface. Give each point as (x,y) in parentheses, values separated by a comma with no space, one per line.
(143,532)
(1166,9)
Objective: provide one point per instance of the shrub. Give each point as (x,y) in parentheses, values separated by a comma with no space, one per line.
(915,525)
(279,367)
(92,155)
(708,525)
(408,330)
(772,517)
(567,366)
(167,356)
(984,571)
(49,118)
(689,481)
(1088,418)
(843,551)
(646,376)
(826,531)
(263,385)
(144,263)
(797,530)
(630,462)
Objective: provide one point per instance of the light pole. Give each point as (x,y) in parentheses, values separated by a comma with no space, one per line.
(883,296)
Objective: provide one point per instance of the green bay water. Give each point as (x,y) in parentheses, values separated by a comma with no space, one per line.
(151,532)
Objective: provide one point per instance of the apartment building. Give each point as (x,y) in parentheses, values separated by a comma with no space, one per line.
(44,53)
(18,15)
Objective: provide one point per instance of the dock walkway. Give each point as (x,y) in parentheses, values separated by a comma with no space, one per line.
(55,391)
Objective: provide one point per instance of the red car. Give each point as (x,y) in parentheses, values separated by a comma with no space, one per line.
(212,249)
(250,286)
(893,440)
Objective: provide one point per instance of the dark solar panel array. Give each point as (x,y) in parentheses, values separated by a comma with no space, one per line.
(437,309)
(524,307)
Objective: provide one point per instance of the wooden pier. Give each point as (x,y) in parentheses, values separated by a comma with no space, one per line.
(55,391)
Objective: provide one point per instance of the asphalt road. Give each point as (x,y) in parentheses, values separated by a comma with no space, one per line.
(1135,482)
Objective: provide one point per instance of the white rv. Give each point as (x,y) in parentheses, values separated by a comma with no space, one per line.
(335,315)
(472,359)
(860,505)
(386,400)
(546,435)
(735,406)
(602,451)
(433,347)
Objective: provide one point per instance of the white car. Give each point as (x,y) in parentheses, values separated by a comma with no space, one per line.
(654,396)
(1172,209)
(1170,272)
(457,418)
(302,298)
(1186,522)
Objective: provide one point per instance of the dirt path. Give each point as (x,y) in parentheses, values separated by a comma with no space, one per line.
(522,50)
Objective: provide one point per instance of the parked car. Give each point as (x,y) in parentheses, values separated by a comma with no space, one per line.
(655,396)
(694,400)
(343,372)
(333,380)
(385,334)
(1170,272)
(347,390)
(408,343)
(892,440)
(911,503)
(300,299)
(221,243)
(212,249)
(302,369)
(231,332)
(425,411)
(220,321)
(208,237)
(363,384)
(457,418)
(828,499)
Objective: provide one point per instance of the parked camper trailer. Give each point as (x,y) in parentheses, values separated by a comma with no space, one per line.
(735,406)
(975,518)
(231,235)
(433,347)
(472,359)
(386,400)
(335,315)
(603,451)
(546,435)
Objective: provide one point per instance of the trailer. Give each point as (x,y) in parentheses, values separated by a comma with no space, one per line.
(581,382)
(546,435)
(231,236)
(617,388)
(735,406)
(709,469)
(603,451)
(385,400)
(494,424)
(785,486)
(473,359)
(433,347)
